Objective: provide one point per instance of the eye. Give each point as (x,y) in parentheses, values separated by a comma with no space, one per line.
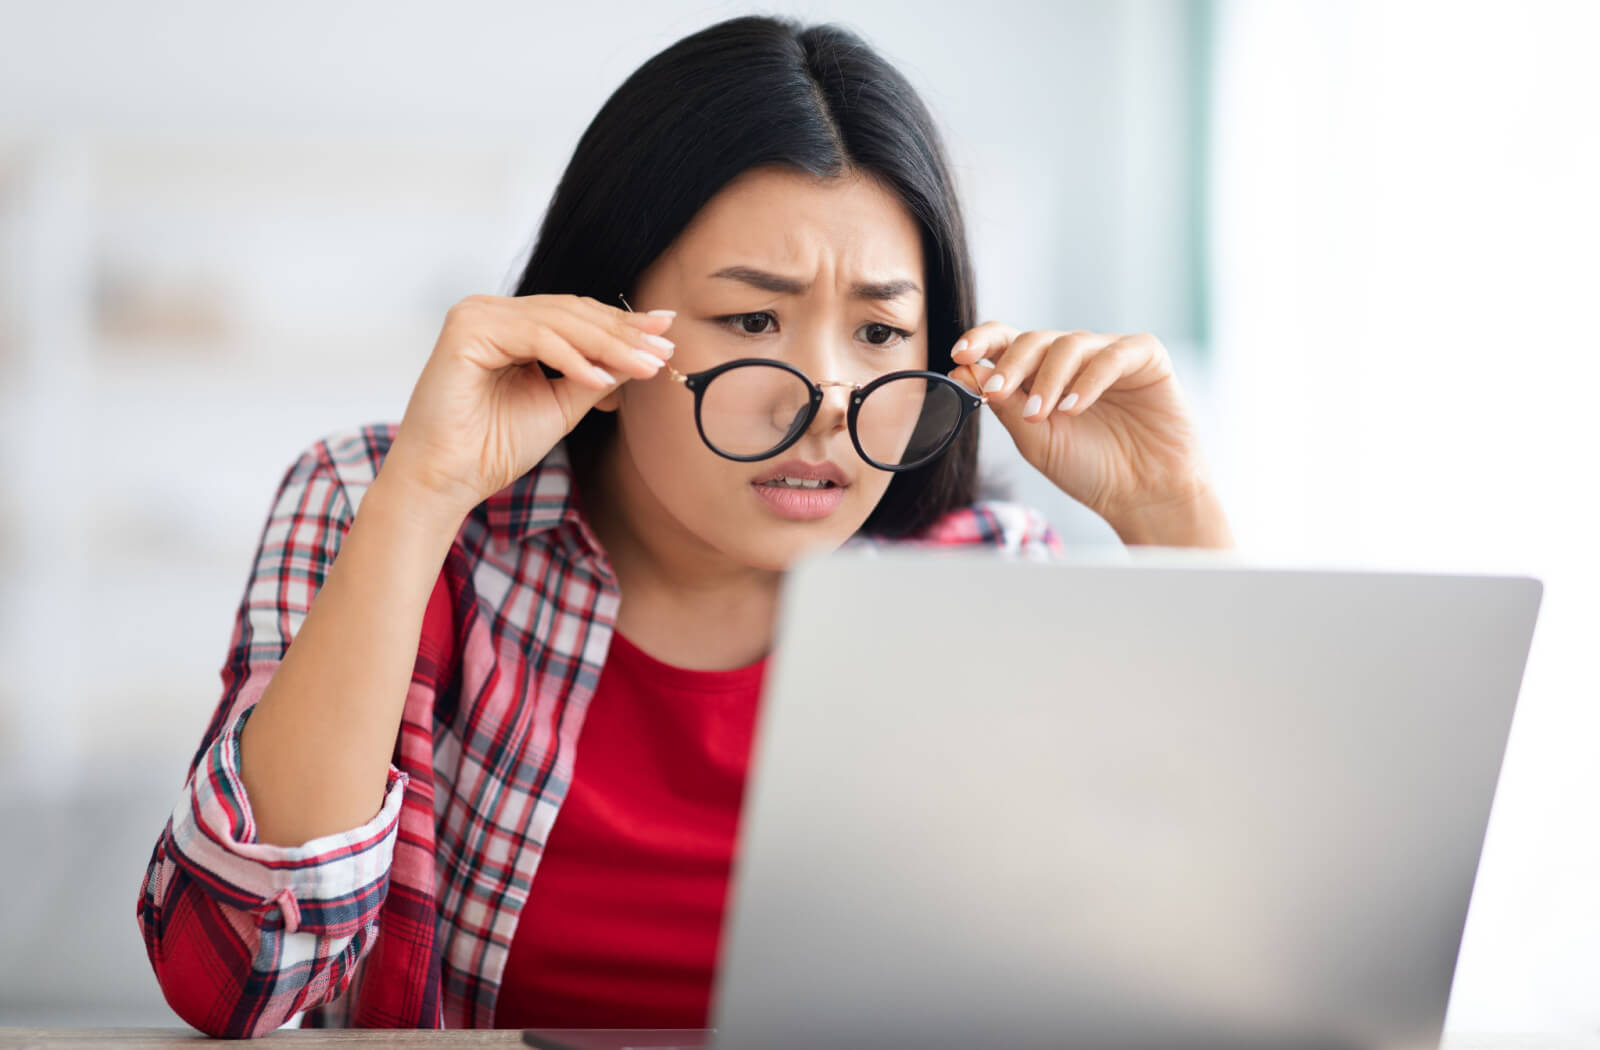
(876,329)
(741,322)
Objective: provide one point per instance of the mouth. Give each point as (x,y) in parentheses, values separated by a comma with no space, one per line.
(801,491)
(783,482)
(798,474)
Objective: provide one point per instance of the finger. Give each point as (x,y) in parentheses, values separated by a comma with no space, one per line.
(1102,369)
(1063,358)
(514,338)
(970,377)
(615,346)
(577,399)
(608,337)
(983,343)
(635,329)
(567,340)
(492,336)
(617,314)
(1015,367)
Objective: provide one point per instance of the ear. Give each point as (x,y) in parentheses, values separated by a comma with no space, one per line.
(610,402)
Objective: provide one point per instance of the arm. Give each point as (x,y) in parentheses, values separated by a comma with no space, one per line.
(315,754)
(245,929)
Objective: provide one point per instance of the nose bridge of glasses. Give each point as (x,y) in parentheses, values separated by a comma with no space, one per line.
(835,404)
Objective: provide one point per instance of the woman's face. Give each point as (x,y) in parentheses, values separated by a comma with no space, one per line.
(824,274)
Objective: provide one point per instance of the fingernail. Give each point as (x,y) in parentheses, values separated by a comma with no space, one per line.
(994,383)
(1033,405)
(1067,402)
(648,358)
(962,345)
(660,343)
(605,377)
(661,313)
(983,362)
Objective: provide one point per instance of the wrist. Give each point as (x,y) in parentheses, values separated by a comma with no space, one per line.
(1194,518)
(412,473)
(399,497)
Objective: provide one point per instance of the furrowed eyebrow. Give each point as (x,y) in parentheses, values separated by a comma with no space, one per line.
(771,282)
(884,289)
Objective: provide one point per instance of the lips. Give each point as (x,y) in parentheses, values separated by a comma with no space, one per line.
(801,491)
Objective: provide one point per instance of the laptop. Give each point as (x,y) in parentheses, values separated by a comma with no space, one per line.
(1166,798)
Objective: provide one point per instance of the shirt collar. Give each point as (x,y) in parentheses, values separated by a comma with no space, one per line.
(544,500)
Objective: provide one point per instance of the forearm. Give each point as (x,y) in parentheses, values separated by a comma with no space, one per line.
(1194,521)
(315,752)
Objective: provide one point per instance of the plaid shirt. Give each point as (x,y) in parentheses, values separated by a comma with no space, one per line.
(406,921)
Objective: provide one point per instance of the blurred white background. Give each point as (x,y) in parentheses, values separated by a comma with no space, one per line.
(1366,231)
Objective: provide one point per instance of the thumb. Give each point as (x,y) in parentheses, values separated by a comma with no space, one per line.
(544,406)
(576,400)
(1008,406)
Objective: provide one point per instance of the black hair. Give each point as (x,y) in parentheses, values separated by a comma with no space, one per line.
(747,92)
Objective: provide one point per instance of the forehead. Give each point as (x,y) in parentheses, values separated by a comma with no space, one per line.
(802,225)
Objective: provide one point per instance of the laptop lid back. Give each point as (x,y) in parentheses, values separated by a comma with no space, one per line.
(1016,804)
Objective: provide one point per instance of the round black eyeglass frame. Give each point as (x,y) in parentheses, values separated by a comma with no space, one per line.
(699,381)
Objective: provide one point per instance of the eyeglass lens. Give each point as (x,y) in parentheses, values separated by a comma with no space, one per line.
(753,409)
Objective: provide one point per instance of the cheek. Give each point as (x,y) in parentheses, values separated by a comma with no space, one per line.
(657,421)
(692,484)
(870,486)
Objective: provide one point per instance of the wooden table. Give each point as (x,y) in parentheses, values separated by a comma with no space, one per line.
(311,1039)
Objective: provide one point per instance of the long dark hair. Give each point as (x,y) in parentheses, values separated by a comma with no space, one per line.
(746,92)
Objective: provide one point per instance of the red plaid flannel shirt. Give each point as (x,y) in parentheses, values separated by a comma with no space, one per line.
(406,920)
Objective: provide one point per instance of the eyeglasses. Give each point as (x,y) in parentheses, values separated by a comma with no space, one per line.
(755,407)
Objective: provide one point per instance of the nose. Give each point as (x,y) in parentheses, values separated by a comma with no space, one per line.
(834,410)
(827,363)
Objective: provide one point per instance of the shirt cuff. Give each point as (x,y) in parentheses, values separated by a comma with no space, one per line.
(331,885)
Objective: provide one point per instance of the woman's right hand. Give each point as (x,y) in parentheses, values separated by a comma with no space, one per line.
(483,412)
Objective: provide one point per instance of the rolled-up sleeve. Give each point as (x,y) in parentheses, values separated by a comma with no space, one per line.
(243,935)
(328,886)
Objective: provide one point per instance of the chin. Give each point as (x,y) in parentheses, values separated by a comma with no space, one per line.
(750,534)
(776,547)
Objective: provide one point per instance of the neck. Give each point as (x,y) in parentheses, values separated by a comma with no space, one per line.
(683,601)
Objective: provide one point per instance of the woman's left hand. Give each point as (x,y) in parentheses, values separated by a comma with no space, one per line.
(1099,414)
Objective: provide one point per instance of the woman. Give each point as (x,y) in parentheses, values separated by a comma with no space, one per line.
(370,831)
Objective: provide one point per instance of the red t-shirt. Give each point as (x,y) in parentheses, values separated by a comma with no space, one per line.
(624,916)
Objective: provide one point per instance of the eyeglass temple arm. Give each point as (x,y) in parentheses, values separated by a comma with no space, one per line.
(677,376)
